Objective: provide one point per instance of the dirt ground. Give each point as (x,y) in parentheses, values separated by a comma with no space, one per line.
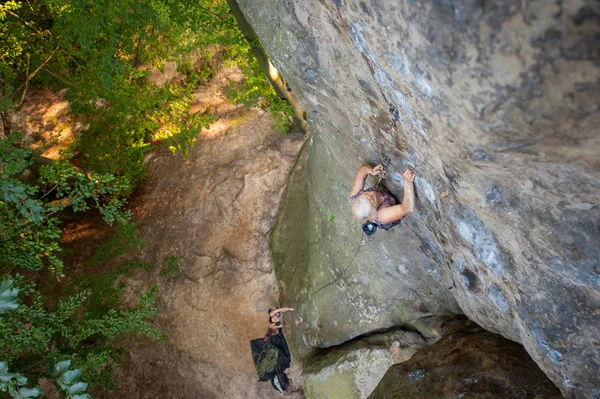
(214,210)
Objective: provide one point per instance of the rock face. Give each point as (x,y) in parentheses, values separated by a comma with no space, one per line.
(354,370)
(498,112)
(468,363)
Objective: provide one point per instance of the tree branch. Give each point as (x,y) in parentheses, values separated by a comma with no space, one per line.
(26,82)
(52,189)
(73,59)
(57,77)
(3,113)
(5,123)
(211,12)
(29,77)
(27,24)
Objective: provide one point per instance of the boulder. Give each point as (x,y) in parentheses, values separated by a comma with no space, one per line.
(467,363)
(496,106)
(353,370)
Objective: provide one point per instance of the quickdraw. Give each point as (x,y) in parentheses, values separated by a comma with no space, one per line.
(385,161)
(395,116)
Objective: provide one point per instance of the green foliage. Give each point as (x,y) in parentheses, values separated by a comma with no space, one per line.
(99,53)
(34,335)
(170,267)
(105,292)
(29,211)
(15,384)
(283,114)
(68,380)
(8,296)
(256,91)
(331,217)
(123,240)
(135,115)
(82,326)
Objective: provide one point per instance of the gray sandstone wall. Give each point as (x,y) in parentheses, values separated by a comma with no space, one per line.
(498,113)
(468,363)
(355,369)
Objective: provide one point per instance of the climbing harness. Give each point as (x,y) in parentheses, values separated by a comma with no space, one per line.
(395,116)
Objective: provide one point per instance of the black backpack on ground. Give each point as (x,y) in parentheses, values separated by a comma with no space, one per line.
(271,358)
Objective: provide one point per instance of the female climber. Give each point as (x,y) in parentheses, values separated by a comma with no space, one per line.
(275,321)
(377,206)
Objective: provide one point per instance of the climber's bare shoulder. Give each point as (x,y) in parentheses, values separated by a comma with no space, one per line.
(388,214)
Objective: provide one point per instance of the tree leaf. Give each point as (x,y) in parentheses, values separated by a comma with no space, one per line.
(71,376)
(78,387)
(6,377)
(62,385)
(30,392)
(5,286)
(8,296)
(61,367)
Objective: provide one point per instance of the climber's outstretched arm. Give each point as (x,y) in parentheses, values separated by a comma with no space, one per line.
(390,213)
(280,310)
(361,176)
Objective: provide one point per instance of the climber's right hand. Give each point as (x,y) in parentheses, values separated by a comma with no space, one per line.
(377,169)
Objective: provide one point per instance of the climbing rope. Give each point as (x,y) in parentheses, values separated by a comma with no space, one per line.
(364,238)
(360,244)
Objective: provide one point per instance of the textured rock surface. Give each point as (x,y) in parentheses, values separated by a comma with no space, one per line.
(468,363)
(352,371)
(498,112)
(214,210)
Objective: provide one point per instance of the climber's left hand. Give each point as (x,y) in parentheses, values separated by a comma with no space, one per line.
(409,175)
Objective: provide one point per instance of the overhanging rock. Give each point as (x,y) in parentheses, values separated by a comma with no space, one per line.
(498,113)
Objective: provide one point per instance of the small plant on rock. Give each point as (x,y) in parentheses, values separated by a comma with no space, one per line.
(170,267)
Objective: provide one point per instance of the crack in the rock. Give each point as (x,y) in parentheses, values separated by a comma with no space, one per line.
(362,337)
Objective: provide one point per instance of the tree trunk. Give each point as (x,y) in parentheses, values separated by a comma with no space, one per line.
(5,124)
(265,64)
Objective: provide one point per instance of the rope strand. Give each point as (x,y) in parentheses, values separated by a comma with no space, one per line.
(345,269)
